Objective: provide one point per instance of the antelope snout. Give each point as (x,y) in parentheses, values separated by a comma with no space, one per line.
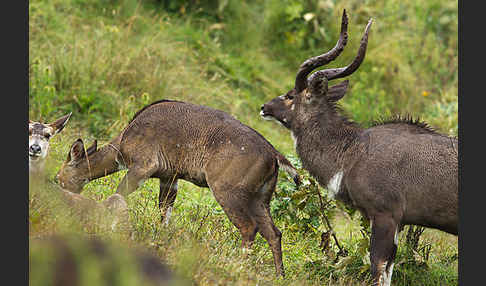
(265,111)
(35,149)
(262,110)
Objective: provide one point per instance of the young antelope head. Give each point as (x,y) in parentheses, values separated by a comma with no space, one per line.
(76,171)
(312,95)
(39,136)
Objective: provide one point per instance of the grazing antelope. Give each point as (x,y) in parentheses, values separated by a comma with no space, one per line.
(397,172)
(39,136)
(113,209)
(172,140)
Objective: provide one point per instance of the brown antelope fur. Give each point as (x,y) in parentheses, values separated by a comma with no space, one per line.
(113,210)
(172,140)
(397,172)
(39,136)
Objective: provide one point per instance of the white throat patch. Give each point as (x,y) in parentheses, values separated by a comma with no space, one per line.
(334,184)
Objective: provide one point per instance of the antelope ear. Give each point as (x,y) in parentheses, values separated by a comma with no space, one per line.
(318,86)
(92,148)
(76,152)
(59,124)
(336,92)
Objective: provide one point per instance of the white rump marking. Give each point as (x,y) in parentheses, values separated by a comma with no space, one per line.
(334,184)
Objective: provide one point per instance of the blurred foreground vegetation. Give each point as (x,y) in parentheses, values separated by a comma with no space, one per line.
(105,59)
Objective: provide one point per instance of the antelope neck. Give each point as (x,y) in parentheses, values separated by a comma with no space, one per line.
(103,162)
(323,144)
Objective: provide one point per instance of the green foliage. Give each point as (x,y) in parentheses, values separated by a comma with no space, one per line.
(306,209)
(103,60)
(202,244)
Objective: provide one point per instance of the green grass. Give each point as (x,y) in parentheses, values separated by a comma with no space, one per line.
(200,243)
(104,60)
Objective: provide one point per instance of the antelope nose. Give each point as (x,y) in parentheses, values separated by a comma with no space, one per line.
(35,148)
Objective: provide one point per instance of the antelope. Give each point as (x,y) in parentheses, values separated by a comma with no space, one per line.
(39,136)
(397,172)
(113,209)
(172,140)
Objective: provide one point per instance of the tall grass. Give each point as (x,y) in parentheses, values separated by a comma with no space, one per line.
(200,244)
(103,60)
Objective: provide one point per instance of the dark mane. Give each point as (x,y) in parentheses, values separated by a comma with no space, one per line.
(147,106)
(416,124)
(342,114)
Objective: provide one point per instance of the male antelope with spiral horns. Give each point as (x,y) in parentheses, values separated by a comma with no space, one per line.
(397,172)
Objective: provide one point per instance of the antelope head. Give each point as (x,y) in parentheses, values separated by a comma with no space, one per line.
(311,94)
(39,136)
(76,171)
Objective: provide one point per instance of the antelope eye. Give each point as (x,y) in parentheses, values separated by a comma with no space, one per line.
(288,96)
(47,135)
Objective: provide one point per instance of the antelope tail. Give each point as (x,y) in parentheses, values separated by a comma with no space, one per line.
(289,168)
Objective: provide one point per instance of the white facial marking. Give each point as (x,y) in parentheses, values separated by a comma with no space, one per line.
(273,118)
(266,117)
(41,142)
(334,184)
(292,107)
